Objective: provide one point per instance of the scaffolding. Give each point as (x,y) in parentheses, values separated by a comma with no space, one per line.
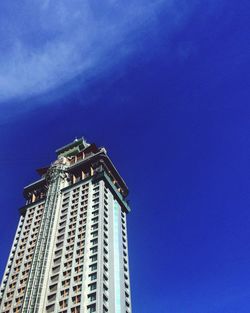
(54,177)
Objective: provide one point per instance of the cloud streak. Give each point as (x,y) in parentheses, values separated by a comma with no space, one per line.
(45,43)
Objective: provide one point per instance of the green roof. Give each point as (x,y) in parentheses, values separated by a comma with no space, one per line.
(72,148)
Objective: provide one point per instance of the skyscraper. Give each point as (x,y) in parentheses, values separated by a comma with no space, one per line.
(70,251)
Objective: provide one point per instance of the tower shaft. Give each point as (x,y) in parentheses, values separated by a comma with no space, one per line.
(70,251)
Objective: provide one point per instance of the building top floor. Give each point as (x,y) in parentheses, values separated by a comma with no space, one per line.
(80,160)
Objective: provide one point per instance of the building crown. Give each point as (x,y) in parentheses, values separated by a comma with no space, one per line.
(72,148)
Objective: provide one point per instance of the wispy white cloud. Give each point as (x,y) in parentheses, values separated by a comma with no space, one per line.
(46,43)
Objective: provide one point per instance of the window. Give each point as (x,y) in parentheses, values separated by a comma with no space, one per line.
(62,224)
(95,213)
(76,299)
(78,278)
(105,298)
(80,244)
(93,250)
(52,297)
(105,268)
(53,288)
(93,258)
(71,233)
(93,267)
(70,240)
(58,253)
(22,282)
(94,242)
(92,286)
(77,288)
(17,310)
(80,252)
(75,309)
(105,278)
(68,264)
(94,234)
(50,308)
(59,245)
(63,304)
(105,251)
(10,294)
(92,297)
(93,276)
(81,236)
(73,213)
(78,269)
(61,231)
(63,217)
(72,219)
(61,237)
(95,219)
(72,226)
(54,278)
(70,248)
(65,293)
(95,226)
(55,269)
(69,256)
(105,287)
(66,282)
(79,260)
(91,308)
(19,300)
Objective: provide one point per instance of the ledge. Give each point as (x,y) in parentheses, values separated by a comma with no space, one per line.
(76,184)
(110,166)
(32,186)
(23,209)
(113,189)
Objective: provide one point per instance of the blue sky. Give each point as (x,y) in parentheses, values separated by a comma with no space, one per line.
(165,88)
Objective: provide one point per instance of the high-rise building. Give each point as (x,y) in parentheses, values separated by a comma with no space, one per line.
(70,251)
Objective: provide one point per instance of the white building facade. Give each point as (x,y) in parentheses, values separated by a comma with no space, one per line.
(70,251)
